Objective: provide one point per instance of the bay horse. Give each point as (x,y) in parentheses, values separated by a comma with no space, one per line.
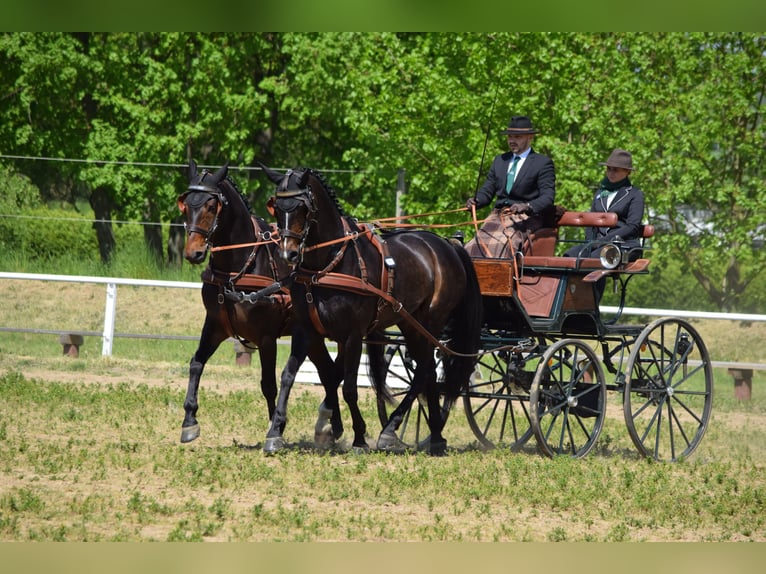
(349,283)
(242,248)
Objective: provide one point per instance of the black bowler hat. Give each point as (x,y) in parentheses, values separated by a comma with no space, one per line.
(519,125)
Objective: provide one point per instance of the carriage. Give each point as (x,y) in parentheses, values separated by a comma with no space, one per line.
(538,362)
(550,357)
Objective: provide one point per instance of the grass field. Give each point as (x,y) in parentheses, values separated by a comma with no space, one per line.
(89,451)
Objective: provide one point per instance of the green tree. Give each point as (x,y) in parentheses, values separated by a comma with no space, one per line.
(360,106)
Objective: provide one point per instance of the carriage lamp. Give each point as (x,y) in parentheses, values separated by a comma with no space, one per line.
(610,256)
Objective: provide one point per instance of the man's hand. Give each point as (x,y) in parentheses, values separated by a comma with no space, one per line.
(471,201)
(519,208)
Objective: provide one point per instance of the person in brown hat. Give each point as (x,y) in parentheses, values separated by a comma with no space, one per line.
(616,194)
(523,184)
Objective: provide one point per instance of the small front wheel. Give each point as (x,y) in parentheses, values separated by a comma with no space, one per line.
(568,399)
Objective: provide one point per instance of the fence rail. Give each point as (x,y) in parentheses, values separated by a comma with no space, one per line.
(108,333)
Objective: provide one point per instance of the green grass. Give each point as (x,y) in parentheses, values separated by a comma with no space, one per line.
(89,447)
(85,461)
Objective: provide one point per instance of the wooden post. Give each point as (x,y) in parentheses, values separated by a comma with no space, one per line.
(743,383)
(71,344)
(244,355)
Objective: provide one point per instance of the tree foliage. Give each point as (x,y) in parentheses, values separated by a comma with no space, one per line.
(362,106)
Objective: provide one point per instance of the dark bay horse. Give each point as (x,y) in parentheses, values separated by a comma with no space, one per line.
(242,260)
(350,283)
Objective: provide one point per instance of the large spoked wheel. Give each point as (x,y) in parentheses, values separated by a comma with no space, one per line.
(413,431)
(497,400)
(668,390)
(568,399)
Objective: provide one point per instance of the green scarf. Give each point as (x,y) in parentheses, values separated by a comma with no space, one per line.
(607,185)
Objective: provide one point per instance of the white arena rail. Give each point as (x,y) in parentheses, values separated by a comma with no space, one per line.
(107,334)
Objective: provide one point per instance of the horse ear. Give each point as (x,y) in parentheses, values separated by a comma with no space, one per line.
(221,174)
(274,176)
(192,169)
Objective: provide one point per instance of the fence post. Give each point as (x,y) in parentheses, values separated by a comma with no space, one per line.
(243,354)
(71,344)
(743,383)
(109,314)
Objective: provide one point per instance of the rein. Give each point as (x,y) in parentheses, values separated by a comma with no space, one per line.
(400,221)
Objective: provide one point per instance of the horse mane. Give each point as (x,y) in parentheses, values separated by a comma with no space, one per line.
(329,189)
(242,196)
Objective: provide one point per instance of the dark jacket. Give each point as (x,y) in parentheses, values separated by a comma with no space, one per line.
(628,204)
(535,183)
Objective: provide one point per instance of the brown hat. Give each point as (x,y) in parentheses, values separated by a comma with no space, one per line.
(619,158)
(519,125)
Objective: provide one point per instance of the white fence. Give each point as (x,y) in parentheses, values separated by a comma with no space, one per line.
(108,332)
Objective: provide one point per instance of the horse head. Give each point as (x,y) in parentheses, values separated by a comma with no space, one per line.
(294,207)
(200,205)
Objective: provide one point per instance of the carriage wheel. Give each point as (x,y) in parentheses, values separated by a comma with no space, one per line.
(400,370)
(568,399)
(668,390)
(497,401)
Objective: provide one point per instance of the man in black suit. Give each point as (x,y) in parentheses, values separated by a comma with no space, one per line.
(524,183)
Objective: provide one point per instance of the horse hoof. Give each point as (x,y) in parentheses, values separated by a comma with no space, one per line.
(389,442)
(438,448)
(188,434)
(359,450)
(273,445)
(324,438)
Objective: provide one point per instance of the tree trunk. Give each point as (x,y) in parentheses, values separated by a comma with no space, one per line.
(176,241)
(153,232)
(101,202)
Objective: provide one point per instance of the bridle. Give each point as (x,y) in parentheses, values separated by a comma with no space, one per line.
(210,191)
(303,196)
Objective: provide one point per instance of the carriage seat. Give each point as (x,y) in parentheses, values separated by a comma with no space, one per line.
(542,243)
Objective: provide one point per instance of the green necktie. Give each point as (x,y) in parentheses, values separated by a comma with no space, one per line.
(511,174)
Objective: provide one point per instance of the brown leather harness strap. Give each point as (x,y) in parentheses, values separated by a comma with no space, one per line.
(360,286)
(354,284)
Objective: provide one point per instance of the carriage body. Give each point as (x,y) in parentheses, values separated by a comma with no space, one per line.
(549,357)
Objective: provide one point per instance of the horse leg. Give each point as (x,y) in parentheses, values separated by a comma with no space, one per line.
(438,444)
(298,350)
(329,426)
(267,353)
(210,339)
(353,353)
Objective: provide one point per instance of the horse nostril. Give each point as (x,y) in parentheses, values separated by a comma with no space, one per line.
(195,256)
(291,256)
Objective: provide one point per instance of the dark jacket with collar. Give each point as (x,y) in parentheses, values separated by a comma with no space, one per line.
(535,183)
(628,204)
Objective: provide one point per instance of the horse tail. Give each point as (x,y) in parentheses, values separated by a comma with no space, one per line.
(464,327)
(377,368)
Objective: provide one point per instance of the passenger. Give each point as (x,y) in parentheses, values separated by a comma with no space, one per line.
(524,183)
(616,194)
